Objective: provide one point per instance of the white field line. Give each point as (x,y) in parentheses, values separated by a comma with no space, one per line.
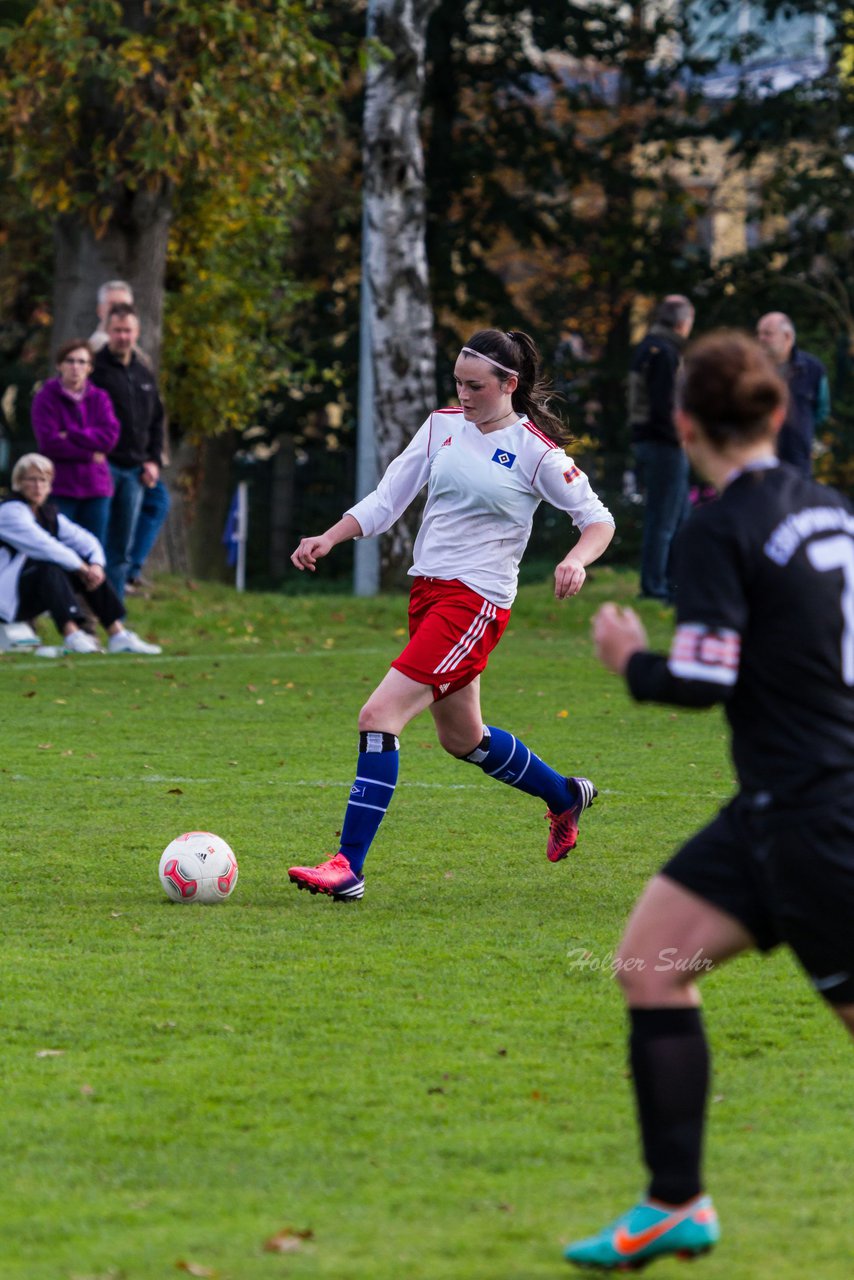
(93,660)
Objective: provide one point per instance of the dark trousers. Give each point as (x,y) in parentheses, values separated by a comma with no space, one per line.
(154,510)
(91,513)
(663,475)
(128,493)
(46,587)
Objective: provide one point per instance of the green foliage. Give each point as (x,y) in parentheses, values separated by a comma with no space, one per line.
(218,110)
(430,1084)
(109,96)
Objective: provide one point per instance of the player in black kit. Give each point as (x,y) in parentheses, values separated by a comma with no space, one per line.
(765,624)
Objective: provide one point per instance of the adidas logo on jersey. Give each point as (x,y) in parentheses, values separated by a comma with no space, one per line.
(448,441)
(443,688)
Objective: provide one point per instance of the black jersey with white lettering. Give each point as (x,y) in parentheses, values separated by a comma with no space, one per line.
(765,622)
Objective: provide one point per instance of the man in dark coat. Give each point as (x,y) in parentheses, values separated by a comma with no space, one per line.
(809,391)
(660,463)
(136,459)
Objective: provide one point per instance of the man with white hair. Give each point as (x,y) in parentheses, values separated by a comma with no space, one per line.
(809,391)
(112,293)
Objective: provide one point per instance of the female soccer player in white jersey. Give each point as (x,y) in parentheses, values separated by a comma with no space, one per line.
(487,466)
(765,624)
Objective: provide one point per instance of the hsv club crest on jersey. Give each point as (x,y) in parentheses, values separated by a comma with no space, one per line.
(482,492)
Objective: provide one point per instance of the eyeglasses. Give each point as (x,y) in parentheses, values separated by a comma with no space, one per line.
(71,360)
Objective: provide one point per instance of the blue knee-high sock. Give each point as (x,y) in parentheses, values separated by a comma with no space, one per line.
(370,795)
(503,756)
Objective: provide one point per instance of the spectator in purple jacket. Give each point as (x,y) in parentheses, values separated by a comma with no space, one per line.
(76,427)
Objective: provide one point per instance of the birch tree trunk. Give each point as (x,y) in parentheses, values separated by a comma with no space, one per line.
(401,320)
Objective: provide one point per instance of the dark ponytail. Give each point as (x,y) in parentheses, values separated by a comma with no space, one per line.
(517,351)
(729,385)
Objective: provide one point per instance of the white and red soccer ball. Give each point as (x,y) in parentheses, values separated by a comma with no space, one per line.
(198,867)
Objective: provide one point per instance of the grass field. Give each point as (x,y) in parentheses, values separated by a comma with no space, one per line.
(427,1085)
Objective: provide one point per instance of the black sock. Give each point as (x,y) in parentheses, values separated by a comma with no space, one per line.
(670,1067)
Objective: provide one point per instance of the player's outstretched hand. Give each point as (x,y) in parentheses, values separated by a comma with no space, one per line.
(617,634)
(310,550)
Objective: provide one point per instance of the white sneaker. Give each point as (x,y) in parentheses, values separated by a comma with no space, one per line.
(129,642)
(80,642)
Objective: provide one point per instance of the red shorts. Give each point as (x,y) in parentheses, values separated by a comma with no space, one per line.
(452,631)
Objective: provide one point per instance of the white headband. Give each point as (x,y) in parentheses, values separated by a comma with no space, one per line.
(489,360)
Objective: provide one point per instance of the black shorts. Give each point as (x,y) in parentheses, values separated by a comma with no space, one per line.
(787,875)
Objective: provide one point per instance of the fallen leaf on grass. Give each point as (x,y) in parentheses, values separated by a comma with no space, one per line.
(45,746)
(562,715)
(175,791)
(31,693)
(195,1269)
(49,1053)
(287,1241)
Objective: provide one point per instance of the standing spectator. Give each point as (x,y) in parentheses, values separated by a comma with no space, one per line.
(809,390)
(75,426)
(135,461)
(764,626)
(661,466)
(114,293)
(155,500)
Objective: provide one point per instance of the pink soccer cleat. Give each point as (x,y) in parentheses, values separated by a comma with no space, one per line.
(334,877)
(563,832)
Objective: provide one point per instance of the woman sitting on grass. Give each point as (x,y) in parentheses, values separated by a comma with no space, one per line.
(46,559)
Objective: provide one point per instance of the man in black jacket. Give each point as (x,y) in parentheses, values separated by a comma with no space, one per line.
(660,463)
(809,392)
(136,460)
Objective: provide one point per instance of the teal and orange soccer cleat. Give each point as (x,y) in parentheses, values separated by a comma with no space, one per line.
(649,1231)
(334,877)
(563,827)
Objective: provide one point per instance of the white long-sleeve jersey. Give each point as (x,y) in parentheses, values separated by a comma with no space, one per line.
(23,538)
(482,493)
